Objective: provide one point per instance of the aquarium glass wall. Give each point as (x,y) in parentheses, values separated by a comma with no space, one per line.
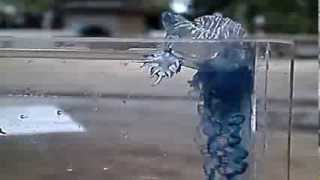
(127,109)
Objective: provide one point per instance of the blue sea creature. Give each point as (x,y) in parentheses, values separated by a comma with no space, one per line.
(224,80)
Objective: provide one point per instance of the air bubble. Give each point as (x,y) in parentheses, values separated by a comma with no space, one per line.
(59,112)
(22,116)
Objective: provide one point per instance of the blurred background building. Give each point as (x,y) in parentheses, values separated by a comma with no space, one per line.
(287,16)
(104,18)
(294,19)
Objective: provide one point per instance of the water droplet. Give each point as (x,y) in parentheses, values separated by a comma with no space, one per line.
(22,116)
(29,61)
(124,101)
(59,112)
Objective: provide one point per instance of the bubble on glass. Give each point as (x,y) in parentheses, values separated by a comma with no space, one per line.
(23,116)
(59,112)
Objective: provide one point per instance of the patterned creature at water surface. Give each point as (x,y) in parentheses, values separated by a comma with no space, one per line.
(166,63)
(224,80)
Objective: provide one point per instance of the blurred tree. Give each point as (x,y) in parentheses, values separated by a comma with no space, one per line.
(29,5)
(153,9)
(285,16)
(35,5)
(202,7)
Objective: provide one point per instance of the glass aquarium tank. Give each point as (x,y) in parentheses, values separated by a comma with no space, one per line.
(74,108)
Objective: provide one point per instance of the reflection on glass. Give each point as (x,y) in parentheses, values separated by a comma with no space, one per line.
(30,120)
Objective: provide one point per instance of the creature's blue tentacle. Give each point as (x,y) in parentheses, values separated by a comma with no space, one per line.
(226,95)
